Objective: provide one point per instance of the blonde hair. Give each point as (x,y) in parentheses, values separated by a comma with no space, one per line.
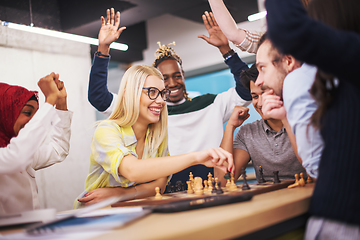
(127,107)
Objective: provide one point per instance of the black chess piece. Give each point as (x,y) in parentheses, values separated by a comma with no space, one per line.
(276,177)
(219,190)
(178,186)
(245,186)
(261,171)
(168,188)
(227,175)
(213,186)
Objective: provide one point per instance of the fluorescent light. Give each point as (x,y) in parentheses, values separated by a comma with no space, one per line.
(257,16)
(62,35)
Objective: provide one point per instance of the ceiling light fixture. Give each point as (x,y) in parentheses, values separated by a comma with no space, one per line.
(62,35)
(257,16)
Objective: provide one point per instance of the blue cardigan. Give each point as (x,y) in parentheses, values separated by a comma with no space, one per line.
(337,192)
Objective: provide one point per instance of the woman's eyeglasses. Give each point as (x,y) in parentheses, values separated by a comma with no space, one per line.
(153,93)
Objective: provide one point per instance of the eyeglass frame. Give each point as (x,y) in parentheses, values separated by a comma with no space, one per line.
(157,95)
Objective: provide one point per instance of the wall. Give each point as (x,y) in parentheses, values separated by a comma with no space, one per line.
(194,52)
(25,58)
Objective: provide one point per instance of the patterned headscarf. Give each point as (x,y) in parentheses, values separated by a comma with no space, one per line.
(12,100)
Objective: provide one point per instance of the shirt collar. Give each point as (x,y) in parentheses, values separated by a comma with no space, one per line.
(267,128)
(129,135)
(177,103)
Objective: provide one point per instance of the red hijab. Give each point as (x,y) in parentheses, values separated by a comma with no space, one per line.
(12,100)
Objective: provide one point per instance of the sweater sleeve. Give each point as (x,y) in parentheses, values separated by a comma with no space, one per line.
(56,146)
(308,40)
(236,66)
(98,93)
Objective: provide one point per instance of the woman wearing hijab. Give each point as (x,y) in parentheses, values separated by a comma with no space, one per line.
(30,140)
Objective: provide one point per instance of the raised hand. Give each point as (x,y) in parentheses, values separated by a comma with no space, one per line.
(238,116)
(109,31)
(216,157)
(272,106)
(216,36)
(61,103)
(48,86)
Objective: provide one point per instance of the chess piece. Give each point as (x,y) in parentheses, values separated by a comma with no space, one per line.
(205,186)
(296,184)
(216,180)
(157,195)
(178,186)
(210,188)
(261,177)
(227,183)
(245,186)
(189,190)
(198,187)
(276,177)
(191,178)
(209,178)
(213,186)
(227,175)
(309,179)
(169,188)
(232,185)
(302,180)
(218,189)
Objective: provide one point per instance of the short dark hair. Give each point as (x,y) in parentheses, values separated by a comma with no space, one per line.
(248,75)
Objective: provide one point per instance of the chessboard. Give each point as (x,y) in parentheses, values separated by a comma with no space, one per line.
(255,189)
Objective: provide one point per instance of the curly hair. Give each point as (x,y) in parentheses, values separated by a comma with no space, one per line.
(165,52)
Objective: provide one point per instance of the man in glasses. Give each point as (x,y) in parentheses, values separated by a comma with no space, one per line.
(194,124)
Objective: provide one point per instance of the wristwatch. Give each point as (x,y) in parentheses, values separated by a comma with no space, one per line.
(99,54)
(228,54)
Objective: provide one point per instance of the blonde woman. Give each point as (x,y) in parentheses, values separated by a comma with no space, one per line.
(129,151)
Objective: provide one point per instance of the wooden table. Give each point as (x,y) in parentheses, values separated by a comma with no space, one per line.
(222,222)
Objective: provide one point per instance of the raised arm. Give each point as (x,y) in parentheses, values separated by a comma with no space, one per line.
(219,40)
(56,146)
(226,22)
(98,93)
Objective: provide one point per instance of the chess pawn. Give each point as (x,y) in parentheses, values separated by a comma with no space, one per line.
(189,190)
(213,183)
(309,179)
(218,189)
(232,186)
(157,195)
(216,180)
(302,180)
(296,184)
(205,185)
(261,171)
(276,177)
(210,188)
